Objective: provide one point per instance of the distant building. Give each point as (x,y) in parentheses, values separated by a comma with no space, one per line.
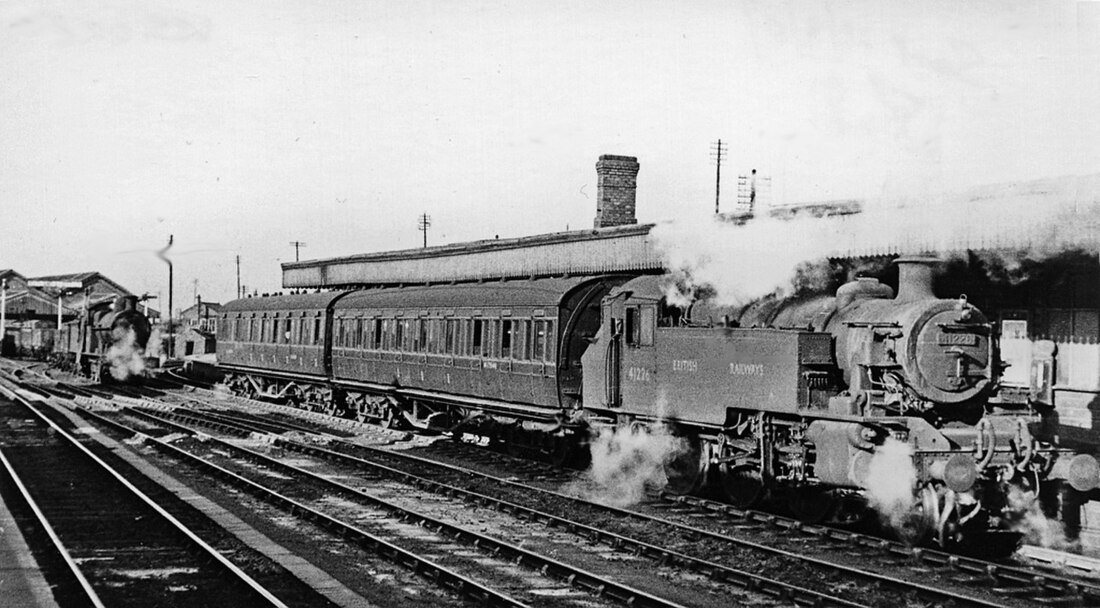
(198,326)
(24,302)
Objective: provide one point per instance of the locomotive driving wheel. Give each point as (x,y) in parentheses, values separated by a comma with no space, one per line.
(738,473)
(811,504)
(686,468)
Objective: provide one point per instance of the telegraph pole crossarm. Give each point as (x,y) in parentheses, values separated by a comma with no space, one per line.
(422,225)
(297,245)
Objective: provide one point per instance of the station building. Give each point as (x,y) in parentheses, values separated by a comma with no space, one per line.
(34,306)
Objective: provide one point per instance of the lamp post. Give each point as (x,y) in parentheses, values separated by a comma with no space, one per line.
(171,334)
(3,314)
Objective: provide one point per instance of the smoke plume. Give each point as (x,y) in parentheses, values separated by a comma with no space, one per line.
(626,464)
(1029,220)
(125,357)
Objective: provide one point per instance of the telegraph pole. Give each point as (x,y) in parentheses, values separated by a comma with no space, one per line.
(238,276)
(422,225)
(717,152)
(297,244)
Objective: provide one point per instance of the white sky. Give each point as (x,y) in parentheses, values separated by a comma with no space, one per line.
(241,126)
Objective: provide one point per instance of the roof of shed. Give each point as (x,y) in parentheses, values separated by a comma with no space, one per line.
(300,301)
(539,292)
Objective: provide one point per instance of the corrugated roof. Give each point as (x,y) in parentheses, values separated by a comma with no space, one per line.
(481,246)
(302,301)
(85,278)
(540,292)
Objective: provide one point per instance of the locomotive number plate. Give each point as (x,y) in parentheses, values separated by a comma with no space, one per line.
(957,340)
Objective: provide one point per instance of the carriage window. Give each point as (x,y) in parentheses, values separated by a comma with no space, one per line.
(399,334)
(449,336)
(645,326)
(420,344)
(631,325)
(462,337)
(528,339)
(435,335)
(376,336)
(538,339)
(519,339)
(489,346)
(477,336)
(286,331)
(506,339)
(550,342)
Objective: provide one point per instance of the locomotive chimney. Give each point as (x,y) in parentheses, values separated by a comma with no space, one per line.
(915,277)
(616,183)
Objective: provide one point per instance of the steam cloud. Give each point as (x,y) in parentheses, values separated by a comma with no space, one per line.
(126,358)
(626,464)
(1037,528)
(891,479)
(1034,219)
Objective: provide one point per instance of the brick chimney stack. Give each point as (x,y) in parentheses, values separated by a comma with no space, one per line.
(617,180)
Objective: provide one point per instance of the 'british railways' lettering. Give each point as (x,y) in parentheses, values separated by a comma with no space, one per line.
(685,365)
(746,369)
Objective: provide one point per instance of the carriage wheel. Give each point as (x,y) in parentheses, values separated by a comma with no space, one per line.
(391,418)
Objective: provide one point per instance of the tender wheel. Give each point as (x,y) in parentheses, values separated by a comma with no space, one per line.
(740,484)
(685,470)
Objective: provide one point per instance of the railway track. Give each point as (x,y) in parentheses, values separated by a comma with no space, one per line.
(960,581)
(840,576)
(101,540)
(305,492)
(1004,583)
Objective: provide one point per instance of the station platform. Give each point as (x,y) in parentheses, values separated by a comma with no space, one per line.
(21,581)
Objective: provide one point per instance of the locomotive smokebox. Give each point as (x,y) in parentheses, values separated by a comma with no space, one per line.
(915,277)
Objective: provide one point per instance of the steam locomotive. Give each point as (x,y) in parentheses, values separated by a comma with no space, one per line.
(788,400)
(107,341)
